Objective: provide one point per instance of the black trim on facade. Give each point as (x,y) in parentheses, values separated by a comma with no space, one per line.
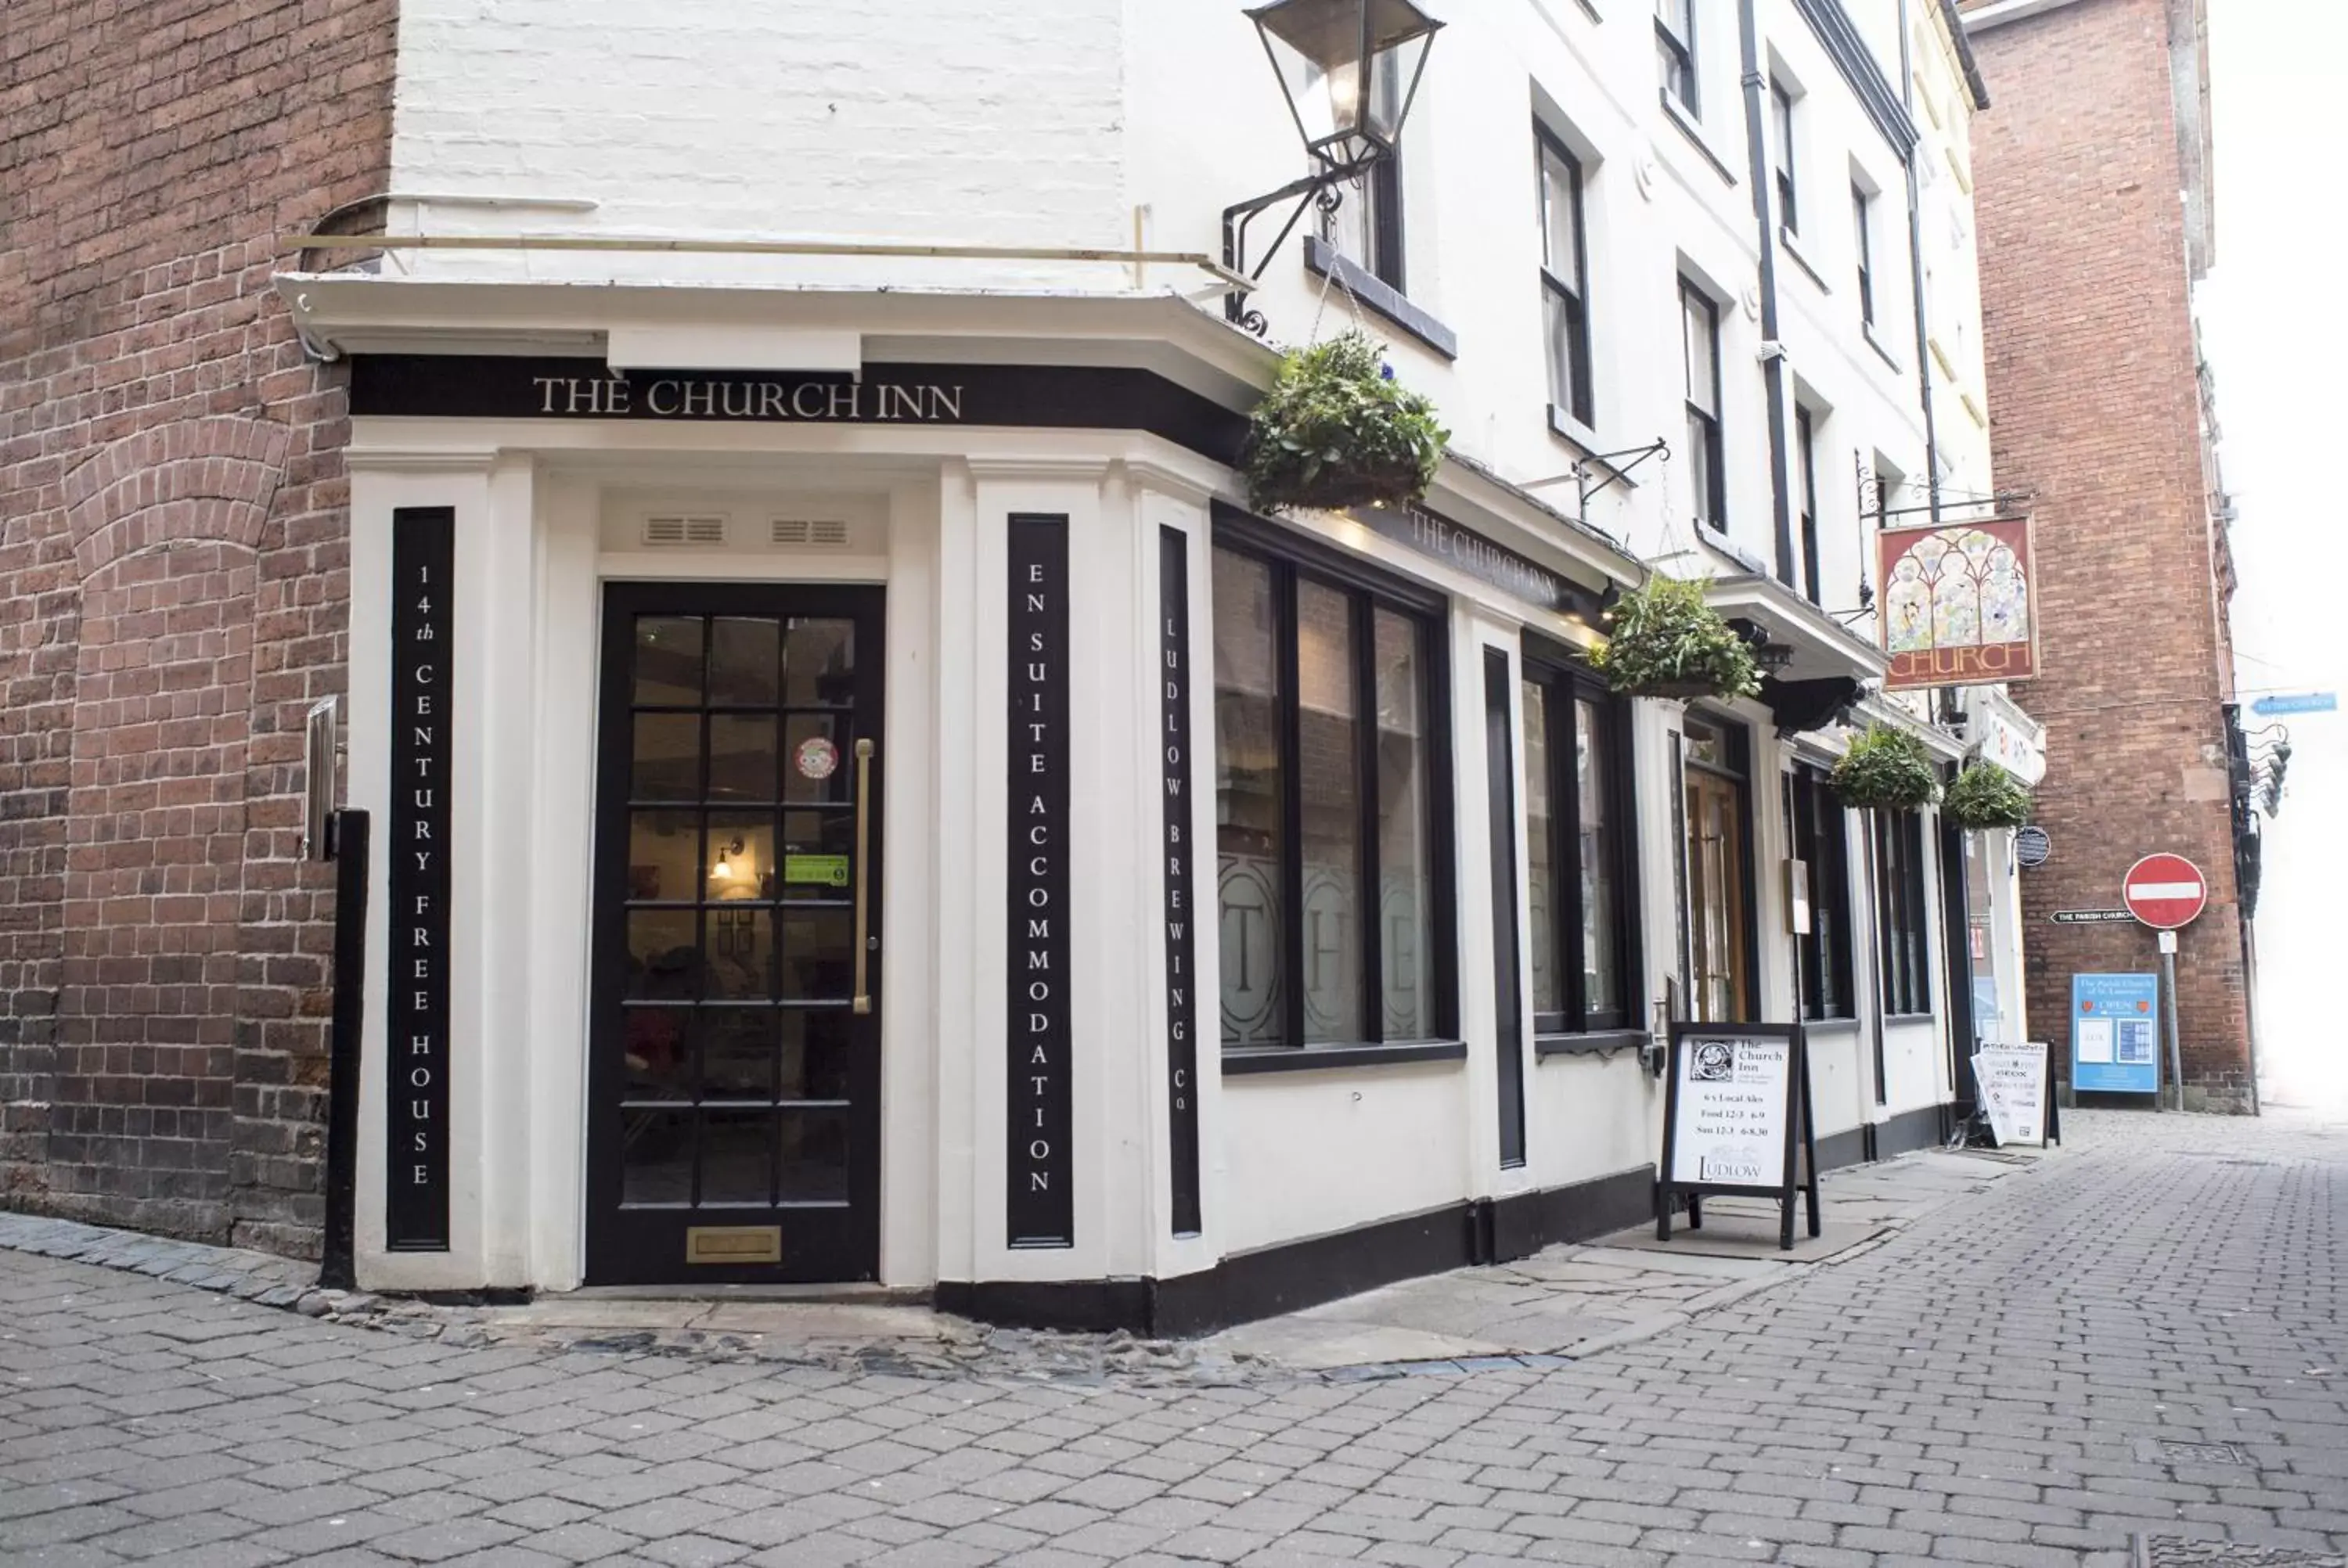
(1292,1276)
(1848,1147)
(1041,396)
(1844,46)
(1322,259)
(1243,1061)
(1910,1130)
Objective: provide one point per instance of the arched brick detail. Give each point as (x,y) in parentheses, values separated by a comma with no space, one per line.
(191,479)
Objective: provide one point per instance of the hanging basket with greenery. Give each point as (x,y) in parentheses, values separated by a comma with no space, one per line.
(1665,640)
(1336,431)
(1886,768)
(1985,795)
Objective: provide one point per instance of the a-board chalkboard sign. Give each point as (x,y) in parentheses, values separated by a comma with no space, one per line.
(1736,1121)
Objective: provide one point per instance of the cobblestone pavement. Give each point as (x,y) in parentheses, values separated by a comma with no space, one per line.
(2142,1337)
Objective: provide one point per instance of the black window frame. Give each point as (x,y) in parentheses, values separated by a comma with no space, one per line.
(1806,461)
(1712,501)
(1379,188)
(1572,294)
(1675,55)
(1781,108)
(1903,942)
(1817,825)
(1862,224)
(1567,679)
(1291,558)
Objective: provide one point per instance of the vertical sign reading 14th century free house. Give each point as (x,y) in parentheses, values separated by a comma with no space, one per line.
(1039,1207)
(423,551)
(1174,742)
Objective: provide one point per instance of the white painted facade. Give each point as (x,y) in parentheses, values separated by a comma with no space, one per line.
(1114,127)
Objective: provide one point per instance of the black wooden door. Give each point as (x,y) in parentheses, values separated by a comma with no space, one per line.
(734,1084)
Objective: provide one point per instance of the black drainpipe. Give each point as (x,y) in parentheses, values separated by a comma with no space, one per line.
(1757,147)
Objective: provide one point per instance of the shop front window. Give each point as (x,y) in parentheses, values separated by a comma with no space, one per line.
(1821,841)
(1329,884)
(1579,835)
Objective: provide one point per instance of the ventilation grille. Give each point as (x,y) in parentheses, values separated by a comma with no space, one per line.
(831,532)
(677,529)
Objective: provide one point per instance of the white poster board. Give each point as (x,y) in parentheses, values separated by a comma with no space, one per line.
(1731,1112)
(2012,1080)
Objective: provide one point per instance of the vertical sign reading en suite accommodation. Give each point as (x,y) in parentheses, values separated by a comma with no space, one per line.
(1040,1209)
(1174,741)
(423,550)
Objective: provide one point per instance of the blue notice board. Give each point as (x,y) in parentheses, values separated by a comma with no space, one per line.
(2116,1033)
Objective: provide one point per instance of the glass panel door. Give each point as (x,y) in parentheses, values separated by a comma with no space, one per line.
(734,1077)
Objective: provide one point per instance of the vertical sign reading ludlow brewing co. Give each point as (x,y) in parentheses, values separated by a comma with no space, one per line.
(1174,741)
(1039,1207)
(423,551)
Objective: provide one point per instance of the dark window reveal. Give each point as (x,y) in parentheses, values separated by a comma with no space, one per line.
(1807,476)
(1700,346)
(1863,244)
(1676,51)
(1822,842)
(1901,912)
(1781,125)
(1565,296)
(1332,892)
(1580,840)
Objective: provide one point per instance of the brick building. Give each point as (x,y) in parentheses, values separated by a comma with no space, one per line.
(2093,174)
(172,596)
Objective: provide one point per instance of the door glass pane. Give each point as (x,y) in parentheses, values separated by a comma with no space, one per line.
(741,756)
(738,1053)
(741,953)
(821,766)
(819,954)
(1601,961)
(743,653)
(819,663)
(1248,792)
(668,658)
(815,1156)
(656,1156)
(1540,853)
(740,856)
(817,1044)
(667,757)
(663,957)
(738,1160)
(1406,878)
(664,854)
(655,1058)
(1328,763)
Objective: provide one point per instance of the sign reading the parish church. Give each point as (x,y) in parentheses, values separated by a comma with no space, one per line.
(1957,603)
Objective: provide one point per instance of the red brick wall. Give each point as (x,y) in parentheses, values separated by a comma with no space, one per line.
(2095,408)
(172,588)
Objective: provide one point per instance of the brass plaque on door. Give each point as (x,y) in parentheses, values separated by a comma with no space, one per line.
(733,1244)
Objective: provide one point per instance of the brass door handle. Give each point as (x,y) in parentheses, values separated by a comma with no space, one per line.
(863,1003)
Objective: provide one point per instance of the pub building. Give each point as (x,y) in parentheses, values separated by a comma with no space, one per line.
(859,797)
(914,824)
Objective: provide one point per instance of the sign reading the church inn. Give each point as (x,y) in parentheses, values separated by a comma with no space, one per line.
(423,552)
(1463,548)
(1174,755)
(1040,1209)
(1956,604)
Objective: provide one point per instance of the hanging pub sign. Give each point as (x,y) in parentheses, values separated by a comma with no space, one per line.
(1956,606)
(416,1097)
(1736,1121)
(1039,1209)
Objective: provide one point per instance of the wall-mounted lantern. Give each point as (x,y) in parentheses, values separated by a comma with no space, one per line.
(1349,70)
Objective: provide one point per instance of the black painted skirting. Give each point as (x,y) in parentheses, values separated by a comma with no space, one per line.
(1923,1128)
(1296,1275)
(1848,1147)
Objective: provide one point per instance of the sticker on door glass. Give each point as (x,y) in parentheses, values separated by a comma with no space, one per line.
(822,870)
(816,758)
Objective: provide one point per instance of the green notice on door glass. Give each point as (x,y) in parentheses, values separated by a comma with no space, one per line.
(823,870)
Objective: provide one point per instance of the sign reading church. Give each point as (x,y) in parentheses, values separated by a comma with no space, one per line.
(1957,608)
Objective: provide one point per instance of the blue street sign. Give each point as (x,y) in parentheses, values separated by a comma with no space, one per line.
(2301,702)
(2116,1033)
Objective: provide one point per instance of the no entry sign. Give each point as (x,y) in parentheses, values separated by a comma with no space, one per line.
(2165,891)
